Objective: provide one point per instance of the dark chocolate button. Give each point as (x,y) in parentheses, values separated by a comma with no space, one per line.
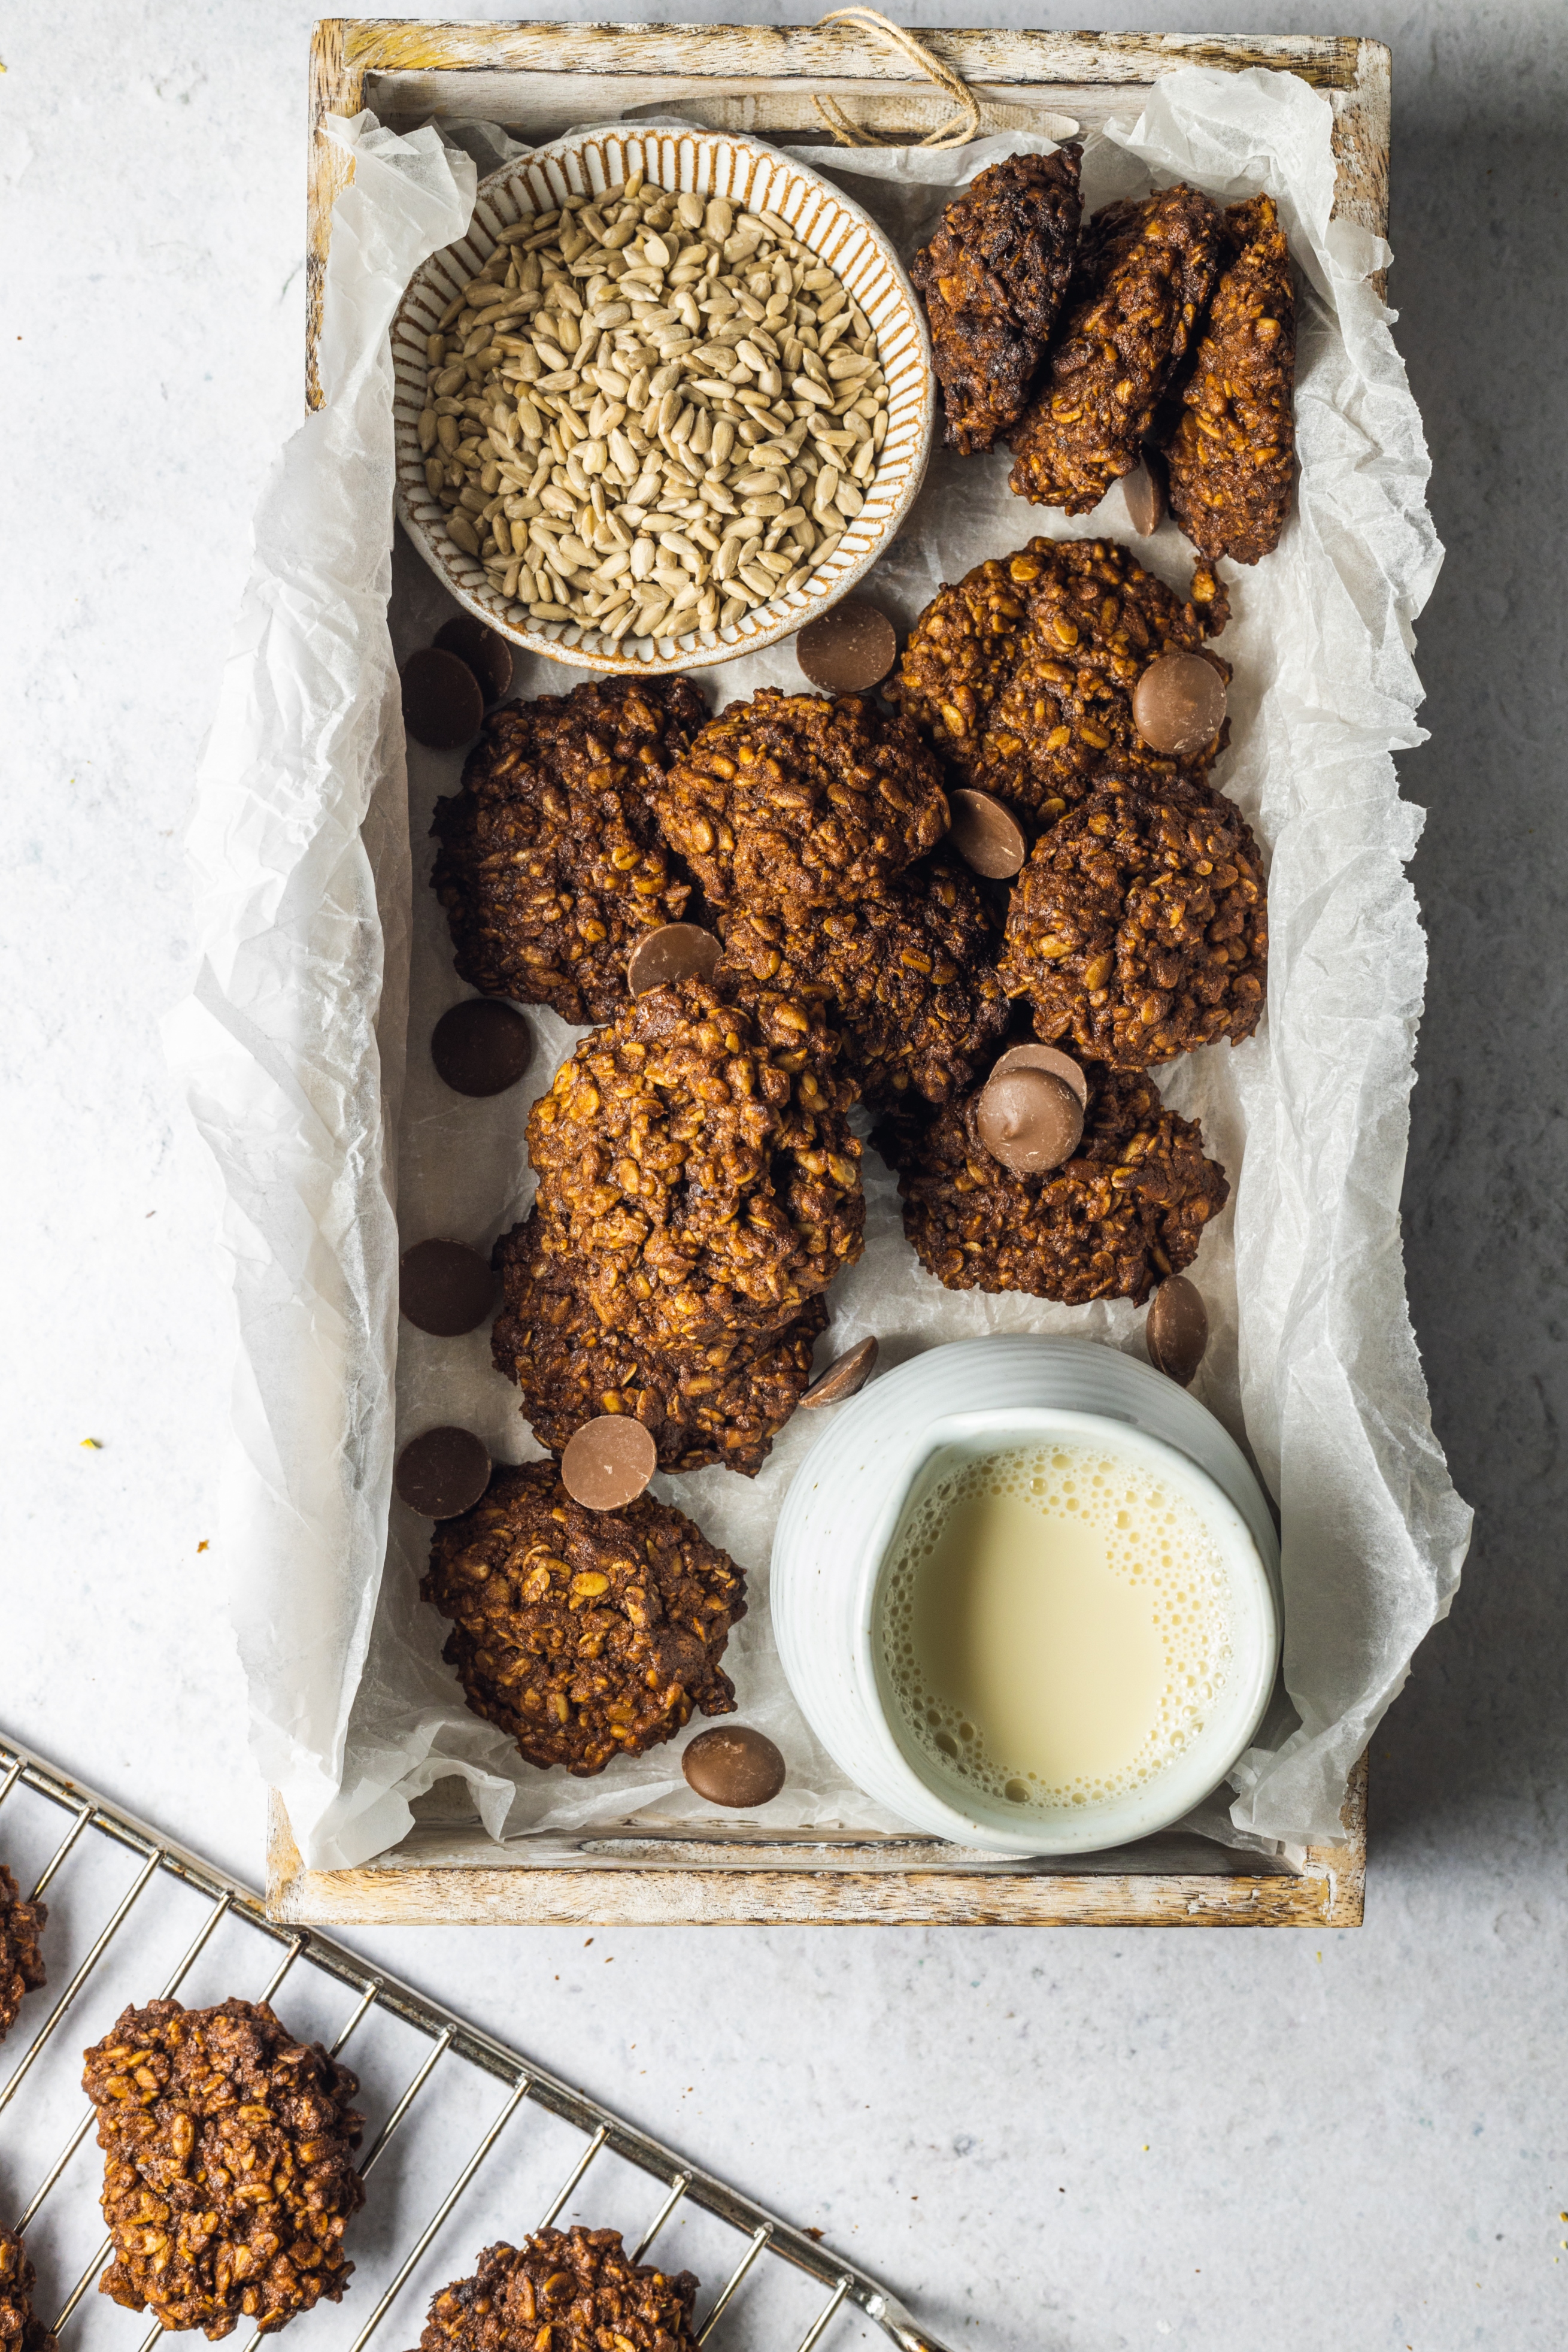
(674,951)
(443,1473)
(1178,703)
(443,701)
(985,834)
(481,1046)
(1177,1332)
(444,1287)
(1045,1057)
(1029,1119)
(849,649)
(1146,502)
(733,1766)
(609,1462)
(845,1377)
(485,650)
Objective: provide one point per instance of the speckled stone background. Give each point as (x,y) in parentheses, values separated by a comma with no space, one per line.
(1075,2140)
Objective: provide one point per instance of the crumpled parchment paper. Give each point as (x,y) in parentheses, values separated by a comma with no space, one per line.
(322,949)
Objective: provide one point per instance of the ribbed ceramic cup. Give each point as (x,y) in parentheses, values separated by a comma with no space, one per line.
(761,179)
(980,1396)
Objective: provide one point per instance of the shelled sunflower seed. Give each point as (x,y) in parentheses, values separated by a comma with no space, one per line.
(650,412)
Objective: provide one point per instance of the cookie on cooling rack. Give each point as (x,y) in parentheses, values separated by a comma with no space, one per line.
(723,1400)
(1139,927)
(1023,672)
(697,1175)
(583,1634)
(563,2291)
(550,867)
(20,2329)
(802,800)
(1126,1210)
(21,1961)
(228,2177)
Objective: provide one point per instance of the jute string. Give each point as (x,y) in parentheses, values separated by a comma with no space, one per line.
(964,126)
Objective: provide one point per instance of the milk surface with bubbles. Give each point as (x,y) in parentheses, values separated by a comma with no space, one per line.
(1055,1627)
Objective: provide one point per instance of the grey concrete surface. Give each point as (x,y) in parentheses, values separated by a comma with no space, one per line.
(1075,2140)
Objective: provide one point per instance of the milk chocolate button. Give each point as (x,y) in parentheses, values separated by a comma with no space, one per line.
(1029,1119)
(443,1473)
(443,701)
(609,1462)
(1177,1332)
(733,1766)
(1045,1057)
(1145,502)
(985,834)
(845,1376)
(1178,703)
(444,1287)
(481,1046)
(849,649)
(485,650)
(674,951)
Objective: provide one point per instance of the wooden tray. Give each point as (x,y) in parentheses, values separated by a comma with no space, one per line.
(539,79)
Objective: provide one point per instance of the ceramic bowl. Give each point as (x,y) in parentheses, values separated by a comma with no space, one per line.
(845,1504)
(761,179)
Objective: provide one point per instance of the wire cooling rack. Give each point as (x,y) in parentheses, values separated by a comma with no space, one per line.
(422,2055)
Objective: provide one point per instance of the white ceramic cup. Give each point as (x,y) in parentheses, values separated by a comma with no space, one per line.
(975,1397)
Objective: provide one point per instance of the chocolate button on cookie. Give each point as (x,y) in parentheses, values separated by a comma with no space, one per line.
(608,1462)
(985,834)
(674,951)
(1178,703)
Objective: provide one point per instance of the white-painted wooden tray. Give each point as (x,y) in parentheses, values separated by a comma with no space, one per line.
(540,80)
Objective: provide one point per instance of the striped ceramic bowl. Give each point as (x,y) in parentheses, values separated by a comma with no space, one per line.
(754,177)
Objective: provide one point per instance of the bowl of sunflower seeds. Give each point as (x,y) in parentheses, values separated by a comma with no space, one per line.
(669,398)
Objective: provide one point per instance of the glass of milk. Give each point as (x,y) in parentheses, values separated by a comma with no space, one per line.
(1045,1623)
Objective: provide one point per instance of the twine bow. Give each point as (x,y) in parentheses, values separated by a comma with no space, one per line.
(963,127)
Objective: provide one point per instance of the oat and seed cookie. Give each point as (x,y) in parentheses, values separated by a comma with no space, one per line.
(1231,458)
(802,798)
(1129,1208)
(550,867)
(21,1962)
(697,1175)
(992,279)
(228,2177)
(1023,673)
(1147,265)
(717,1401)
(21,2330)
(563,2291)
(1139,927)
(583,1634)
(911,978)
